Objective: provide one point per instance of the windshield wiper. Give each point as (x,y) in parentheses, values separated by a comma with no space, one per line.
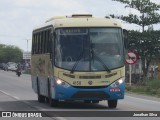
(93,55)
(100,60)
(75,65)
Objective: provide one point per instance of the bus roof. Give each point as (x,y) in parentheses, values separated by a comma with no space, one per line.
(80,21)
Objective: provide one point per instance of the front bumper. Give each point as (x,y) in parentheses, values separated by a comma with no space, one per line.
(73,93)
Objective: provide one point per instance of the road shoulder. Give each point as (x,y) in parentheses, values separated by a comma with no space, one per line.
(142,96)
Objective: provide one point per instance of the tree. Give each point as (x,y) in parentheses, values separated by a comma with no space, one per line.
(146,40)
(146,44)
(9,53)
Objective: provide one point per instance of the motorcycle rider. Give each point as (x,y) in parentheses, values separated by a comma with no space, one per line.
(19,69)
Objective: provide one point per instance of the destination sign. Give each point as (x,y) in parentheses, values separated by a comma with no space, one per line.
(73,31)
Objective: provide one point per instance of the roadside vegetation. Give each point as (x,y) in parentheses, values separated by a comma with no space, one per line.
(150,87)
(27,71)
(145,42)
(10,53)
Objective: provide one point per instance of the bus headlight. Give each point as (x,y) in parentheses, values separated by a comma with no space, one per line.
(62,83)
(118,82)
(59,81)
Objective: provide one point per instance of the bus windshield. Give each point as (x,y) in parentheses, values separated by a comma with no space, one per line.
(89,49)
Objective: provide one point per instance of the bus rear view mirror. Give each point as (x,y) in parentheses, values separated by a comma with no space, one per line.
(125,37)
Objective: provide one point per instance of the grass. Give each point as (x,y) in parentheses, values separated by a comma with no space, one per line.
(151,87)
(27,71)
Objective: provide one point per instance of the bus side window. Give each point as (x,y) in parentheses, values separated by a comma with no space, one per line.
(48,42)
(36,43)
(45,40)
(42,43)
(33,40)
(52,37)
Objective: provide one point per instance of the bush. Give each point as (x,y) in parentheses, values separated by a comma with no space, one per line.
(151,87)
(128,88)
(155,84)
(138,89)
(27,71)
(147,88)
(158,92)
(153,92)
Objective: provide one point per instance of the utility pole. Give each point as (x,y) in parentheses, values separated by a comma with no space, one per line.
(27,61)
(27,43)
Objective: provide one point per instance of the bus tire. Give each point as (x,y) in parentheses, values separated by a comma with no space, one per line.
(112,103)
(87,101)
(47,100)
(53,103)
(95,101)
(41,99)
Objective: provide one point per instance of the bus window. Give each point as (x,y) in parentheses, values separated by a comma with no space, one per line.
(43,48)
(36,43)
(48,42)
(45,40)
(37,51)
(33,44)
(43,37)
(39,43)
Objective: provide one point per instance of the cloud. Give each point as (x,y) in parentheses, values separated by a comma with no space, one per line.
(19,17)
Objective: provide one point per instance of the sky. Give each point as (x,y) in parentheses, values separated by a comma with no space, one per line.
(19,17)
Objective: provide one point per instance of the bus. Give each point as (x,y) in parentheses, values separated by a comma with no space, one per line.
(79,57)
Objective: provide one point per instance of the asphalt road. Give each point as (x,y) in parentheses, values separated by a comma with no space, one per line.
(16,94)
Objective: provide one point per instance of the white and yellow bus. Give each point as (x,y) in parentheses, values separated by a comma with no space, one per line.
(78,57)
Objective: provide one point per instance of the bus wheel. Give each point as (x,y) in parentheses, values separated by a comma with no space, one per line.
(112,103)
(41,99)
(47,100)
(53,103)
(95,101)
(87,101)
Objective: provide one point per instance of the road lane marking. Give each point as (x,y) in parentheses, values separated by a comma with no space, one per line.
(15,97)
(60,118)
(4,92)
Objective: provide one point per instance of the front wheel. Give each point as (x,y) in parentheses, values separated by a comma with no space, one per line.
(18,75)
(95,101)
(41,99)
(87,101)
(112,103)
(53,103)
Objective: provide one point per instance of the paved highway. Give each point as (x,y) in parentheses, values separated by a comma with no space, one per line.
(16,94)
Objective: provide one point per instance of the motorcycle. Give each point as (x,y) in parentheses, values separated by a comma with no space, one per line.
(18,72)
